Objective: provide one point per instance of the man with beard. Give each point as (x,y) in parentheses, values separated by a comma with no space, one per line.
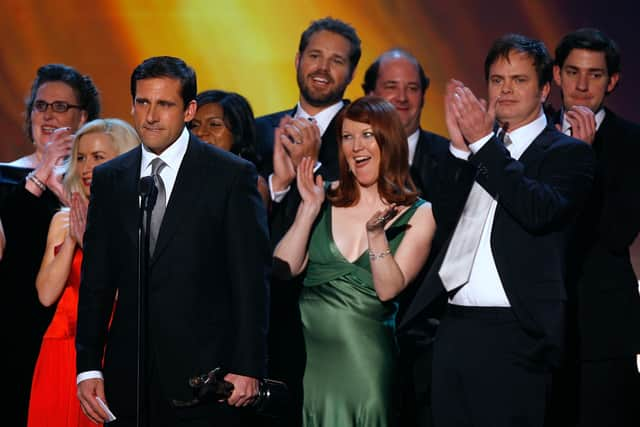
(327,56)
(600,383)
(397,76)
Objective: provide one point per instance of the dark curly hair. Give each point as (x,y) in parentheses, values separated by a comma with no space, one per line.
(82,85)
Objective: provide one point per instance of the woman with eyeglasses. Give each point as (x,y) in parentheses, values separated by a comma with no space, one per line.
(225,119)
(60,101)
(54,399)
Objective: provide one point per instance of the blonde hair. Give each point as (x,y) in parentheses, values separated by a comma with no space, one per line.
(123,137)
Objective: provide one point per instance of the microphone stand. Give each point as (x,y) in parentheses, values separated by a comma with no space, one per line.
(148,193)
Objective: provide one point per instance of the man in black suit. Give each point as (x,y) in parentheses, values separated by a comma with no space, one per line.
(601,372)
(327,57)
(208,295)
(397,76)
(504,264)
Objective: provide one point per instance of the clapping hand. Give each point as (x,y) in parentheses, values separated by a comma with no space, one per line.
(474,118)
(583,123)
(311,188)
(293,140)
(78,217)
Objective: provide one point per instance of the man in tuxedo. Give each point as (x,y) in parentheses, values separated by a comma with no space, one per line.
(397,76)
(327,57)
(208,268)
(503,267)
(601,371)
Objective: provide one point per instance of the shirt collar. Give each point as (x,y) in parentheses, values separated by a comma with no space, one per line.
(172,156)
(413,143)
(323,118)
(522,137)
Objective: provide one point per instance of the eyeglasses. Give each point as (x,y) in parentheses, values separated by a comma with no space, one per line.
(56,106)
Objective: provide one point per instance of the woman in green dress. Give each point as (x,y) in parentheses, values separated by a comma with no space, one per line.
(360,245)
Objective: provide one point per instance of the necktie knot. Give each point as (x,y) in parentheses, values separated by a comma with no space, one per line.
(157,165)
(506,140)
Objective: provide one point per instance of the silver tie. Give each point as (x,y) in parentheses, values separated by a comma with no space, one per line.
(161,200)
(458,260)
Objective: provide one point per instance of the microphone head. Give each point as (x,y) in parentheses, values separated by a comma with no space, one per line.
(145,186)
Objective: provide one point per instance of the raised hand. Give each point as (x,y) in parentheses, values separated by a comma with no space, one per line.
(583,123)
(311,188)
(78,218)
(474,119)
(379,219)
(457,140)
(293,140)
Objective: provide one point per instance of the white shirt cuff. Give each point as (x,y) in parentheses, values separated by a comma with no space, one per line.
(477,145)
(461,154)
(277,196)
(87,375)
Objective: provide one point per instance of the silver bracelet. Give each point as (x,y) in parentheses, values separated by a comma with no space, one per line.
(33,178)
(373,256)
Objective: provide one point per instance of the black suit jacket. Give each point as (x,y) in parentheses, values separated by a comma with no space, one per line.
(208,294)
(283,213)
(538,196)
(602,282)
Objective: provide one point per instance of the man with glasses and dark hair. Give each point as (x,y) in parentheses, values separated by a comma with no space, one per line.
(61,100)
(209,265)
(601,379)
(503,269)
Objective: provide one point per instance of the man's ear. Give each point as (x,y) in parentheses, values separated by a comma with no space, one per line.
(190,111)
(556,75)
(613,82)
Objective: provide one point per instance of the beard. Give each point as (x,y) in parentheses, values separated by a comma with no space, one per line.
(320,99)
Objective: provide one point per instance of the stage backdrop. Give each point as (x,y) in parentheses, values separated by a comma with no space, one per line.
(249,46)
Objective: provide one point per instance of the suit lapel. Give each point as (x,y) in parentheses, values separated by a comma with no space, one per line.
(129,170)
(183,197)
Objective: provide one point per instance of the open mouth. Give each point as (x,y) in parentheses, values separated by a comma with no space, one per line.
(48,130)
(321,81)
(361,160)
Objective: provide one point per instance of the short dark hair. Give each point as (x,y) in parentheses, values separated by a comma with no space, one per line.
(167,66)
(335,26)
(82,85)
(590,39)
(238,118)
(535,49)
(371,75)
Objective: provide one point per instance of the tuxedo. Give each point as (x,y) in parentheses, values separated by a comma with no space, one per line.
(26,220)
(537,197)
(286,342)
(208,294)
(604,304)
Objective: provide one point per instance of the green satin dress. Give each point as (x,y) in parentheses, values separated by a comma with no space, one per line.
(348,333)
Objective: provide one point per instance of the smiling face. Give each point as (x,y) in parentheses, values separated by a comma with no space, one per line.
(44,123)
(208,125)
(399,83)
(515,82)
(93,150)
(323,70)
(361,150)
(584,79)
(158,112)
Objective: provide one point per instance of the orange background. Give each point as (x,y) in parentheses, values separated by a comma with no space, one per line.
(249,46)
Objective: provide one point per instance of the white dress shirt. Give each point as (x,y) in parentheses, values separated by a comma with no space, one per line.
(485,289)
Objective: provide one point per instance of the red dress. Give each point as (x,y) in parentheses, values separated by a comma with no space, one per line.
(54,401)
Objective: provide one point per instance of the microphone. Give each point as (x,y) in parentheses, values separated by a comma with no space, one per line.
(148,192)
